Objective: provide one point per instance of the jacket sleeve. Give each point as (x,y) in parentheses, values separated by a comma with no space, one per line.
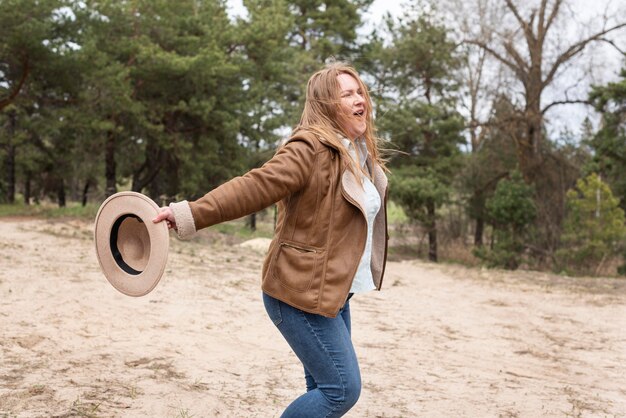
(286,173)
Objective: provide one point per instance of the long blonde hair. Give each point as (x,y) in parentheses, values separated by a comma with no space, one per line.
(323,114)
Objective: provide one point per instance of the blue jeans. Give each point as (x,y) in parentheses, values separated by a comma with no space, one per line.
(324,346)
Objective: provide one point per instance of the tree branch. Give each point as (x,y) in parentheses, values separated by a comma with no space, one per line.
(542,17)
(519,71)
(553,13)
(5,102)
(575,49)
(500,123)
(526,26)
(613,44)
(513,9)
(510,48)
(562,102)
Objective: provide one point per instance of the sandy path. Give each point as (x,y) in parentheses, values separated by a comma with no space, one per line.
(439,341)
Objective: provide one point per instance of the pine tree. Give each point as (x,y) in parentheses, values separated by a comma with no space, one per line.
(416,112)
(594,228)
(609,144)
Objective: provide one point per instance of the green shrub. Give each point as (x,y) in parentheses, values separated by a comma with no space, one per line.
(593,229)
(510,211)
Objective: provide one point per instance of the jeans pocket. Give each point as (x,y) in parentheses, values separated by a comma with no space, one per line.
(272,307)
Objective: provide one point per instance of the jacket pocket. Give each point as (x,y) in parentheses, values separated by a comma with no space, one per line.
(295,266)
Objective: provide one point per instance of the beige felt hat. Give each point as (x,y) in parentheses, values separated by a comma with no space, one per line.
(131,249)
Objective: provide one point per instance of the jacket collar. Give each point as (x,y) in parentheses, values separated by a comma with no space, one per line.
(352,186)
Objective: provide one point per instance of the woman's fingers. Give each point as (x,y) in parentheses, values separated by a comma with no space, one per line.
(167,215)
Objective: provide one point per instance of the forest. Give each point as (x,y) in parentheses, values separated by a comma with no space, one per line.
(172,98)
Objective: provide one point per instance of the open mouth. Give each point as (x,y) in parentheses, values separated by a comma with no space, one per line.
(359,113)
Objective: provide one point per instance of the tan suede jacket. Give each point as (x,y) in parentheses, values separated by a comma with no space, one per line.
(321,229)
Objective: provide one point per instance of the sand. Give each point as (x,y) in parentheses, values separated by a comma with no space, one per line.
(438,341)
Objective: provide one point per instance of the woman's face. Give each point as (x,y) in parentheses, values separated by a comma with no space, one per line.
(353,105)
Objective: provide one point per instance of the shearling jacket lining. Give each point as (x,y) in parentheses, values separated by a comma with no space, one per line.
(185,226)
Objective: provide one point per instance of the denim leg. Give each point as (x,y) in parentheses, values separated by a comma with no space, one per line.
(325,349)
(310,382)
(345,315)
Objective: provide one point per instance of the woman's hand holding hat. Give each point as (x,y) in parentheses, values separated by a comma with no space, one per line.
(167,215)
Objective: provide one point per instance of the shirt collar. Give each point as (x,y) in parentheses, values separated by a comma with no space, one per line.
(360,142)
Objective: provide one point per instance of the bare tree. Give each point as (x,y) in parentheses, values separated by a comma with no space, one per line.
(490,122)
(531,52)
(522,49)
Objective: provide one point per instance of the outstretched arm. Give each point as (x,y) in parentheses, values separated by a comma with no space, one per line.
(287,172)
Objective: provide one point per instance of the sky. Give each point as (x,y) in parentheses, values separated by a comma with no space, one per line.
(376,11)
(605,61)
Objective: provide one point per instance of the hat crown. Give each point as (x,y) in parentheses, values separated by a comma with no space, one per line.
(133,242)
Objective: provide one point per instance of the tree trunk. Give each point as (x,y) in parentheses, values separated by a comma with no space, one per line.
(109,161)
(147,175)
(10,160)
(27,188)
(529,148)
(478,233)
(61,193)
(10,164)
(85,191)
(252,222)
(432,232)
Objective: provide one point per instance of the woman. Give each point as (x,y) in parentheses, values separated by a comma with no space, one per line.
(331,235)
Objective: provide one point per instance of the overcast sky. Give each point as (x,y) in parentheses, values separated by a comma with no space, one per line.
(606,60)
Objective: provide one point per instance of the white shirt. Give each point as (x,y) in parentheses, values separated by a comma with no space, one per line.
(363,279)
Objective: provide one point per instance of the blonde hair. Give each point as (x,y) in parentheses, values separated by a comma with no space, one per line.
(323,115)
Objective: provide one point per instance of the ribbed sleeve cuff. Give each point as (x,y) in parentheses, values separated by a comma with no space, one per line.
(185,225)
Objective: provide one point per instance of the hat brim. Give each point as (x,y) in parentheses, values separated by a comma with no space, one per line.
(130,282)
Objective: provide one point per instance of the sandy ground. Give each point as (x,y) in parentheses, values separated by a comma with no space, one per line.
(438,341)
